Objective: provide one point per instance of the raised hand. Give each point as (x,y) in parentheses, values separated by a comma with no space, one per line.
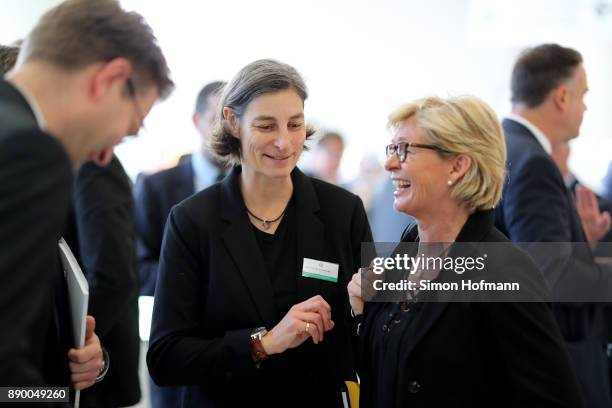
(360,289)
(311,318)
(595,223)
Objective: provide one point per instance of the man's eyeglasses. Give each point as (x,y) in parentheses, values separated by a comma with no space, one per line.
(402,149)
(132,92)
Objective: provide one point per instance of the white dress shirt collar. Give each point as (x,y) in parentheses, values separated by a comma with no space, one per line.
(204,172)
(537,133)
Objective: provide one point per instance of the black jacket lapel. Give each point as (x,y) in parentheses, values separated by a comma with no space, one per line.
(14,108)
(310,232)
(185,186)
(474,230)
(244,251)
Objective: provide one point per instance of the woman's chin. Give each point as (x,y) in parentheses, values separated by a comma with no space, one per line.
(277,172)
(400,204)
(279,169)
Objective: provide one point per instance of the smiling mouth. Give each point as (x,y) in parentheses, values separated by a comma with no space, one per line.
(401,184)
(277,158)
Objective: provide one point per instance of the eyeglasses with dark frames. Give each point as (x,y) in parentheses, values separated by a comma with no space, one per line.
(132,92)
(402,149)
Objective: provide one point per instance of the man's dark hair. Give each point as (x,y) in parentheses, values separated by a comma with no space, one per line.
(81,32)
(539,70)
(8,57)
(208,90)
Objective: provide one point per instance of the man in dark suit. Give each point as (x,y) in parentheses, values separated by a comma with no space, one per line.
(65,102)
(548,86)
(156,194)
(326,158)
(103,241)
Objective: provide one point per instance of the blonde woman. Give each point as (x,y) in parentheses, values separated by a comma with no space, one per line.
(446,160)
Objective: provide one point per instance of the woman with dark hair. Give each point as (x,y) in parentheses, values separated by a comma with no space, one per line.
(251,304)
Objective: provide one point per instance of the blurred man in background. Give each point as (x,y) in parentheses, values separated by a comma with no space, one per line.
(155,195)
(102,238)
(326,158)
(548,87)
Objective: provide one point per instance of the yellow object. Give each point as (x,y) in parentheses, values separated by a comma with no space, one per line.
(353,393)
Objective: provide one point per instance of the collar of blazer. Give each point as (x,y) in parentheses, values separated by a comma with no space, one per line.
(233,207)
(184,183)
(14,105)
(244,250)
(513,128)
(475,229)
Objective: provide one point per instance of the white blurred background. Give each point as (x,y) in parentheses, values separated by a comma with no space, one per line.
(360,59)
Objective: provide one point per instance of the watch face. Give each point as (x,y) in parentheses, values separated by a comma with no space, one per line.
(258,333)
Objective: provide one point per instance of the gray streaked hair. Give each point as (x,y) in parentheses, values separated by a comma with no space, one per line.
(258,78)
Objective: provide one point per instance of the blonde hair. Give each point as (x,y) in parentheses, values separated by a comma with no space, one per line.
(463,125)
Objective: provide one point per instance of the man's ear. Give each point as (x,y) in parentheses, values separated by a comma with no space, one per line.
(230,116)
(110,77)
(195,118)
(560,97)
(461,164)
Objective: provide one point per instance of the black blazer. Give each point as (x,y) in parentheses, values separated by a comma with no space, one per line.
(213,291)
(475,354)
(103,240)
(35,185)
(154,197)
(536,206)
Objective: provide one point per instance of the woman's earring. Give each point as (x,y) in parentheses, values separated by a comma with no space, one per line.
(450,182)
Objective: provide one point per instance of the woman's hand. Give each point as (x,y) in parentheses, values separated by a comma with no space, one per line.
(311,318)
(354,292)
(362,279)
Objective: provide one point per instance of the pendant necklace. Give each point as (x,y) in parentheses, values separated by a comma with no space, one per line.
(266,223)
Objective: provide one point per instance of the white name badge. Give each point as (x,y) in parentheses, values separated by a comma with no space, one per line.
(320,270)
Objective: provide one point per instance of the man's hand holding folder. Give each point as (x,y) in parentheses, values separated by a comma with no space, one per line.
(87,362)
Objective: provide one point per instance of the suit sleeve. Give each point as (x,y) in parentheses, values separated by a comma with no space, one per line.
(180,353)
(103,208)
(149,229)
(537,210)
(35,182)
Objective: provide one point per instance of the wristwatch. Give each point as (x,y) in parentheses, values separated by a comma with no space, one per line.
(257,350)
(104,369)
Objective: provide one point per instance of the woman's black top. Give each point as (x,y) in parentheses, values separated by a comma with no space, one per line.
(279,254)
(393,325)
(469,353)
